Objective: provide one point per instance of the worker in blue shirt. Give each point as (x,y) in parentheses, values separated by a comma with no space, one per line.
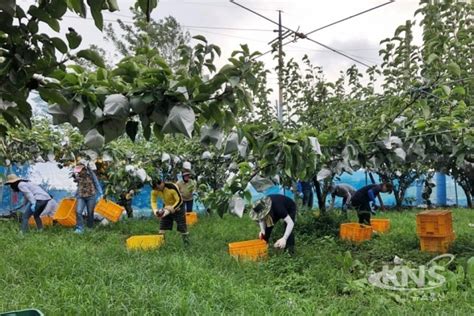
(364,200)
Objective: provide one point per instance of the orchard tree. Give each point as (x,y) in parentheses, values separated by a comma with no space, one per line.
(165,35)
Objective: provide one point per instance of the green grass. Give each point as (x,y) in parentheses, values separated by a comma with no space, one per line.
(61,273)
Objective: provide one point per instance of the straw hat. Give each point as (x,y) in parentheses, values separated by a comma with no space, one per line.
(261,209)
(12,178)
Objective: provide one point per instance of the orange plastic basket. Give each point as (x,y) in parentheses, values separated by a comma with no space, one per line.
(355,232)
(109,210)
(66,212)
(46,220)
(380,225)
(145,242)
(253,250)
(437,244)
(191,218)
(434,224)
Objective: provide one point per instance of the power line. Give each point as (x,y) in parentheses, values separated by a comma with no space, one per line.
(301,35)
(349,17)
(228,28)
(336,22)
(188,26)
(234,36)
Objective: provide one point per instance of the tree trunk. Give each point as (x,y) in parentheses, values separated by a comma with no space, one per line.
(321,201)
(469,195)
(468,189)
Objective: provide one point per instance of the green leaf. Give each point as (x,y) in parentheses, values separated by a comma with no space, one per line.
(454,69)
(401,28)
(57,8)
(53,96)
(96,10)
(8,6)
(217,49)
(91,56)
(459,91)
(59,44)
(10,119)
(446,90)
(200,38)
(234,81)
(470,271)
(73,38)
(78,6)
(426,111)
(44,17)
(112,5)
(432,57)
(101,74)
(147,6)
(132,129)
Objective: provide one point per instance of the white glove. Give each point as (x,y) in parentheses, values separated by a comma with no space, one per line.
(280,243)
(155,212)
(373,208)
(164,212)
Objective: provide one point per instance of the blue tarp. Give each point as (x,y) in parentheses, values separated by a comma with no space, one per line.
(141,202)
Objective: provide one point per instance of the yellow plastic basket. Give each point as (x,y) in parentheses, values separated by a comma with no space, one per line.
(437,244)
(380,225)
(109,210)
(46,220)
(434,223)
(66,212)
(355,232)
(191,218)
(145,242)
(253,250)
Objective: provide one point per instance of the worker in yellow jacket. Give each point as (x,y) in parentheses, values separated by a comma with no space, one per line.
(173,209)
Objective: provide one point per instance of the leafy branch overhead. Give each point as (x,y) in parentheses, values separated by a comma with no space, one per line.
(27,56)
(145,89)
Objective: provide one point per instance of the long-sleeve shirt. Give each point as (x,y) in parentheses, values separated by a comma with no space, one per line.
(87,183)
(170,196)
(33,192)
(367,194)
(186,189)
(343,190)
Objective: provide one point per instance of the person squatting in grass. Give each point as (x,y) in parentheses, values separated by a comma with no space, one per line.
(268,211)
(186,188)
(364,200)
(342,190)
(88,191)
(36,197)
(173,210)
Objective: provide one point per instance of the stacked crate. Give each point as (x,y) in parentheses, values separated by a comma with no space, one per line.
(435,230)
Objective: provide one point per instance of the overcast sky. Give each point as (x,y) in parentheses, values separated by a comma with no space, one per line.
(358,37)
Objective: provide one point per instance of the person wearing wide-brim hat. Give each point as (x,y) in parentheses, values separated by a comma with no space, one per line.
(268,211)
(186,188)
(37,200)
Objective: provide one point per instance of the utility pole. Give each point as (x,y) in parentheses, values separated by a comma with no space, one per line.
(280,65)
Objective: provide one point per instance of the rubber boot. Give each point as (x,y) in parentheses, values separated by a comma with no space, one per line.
(185,240)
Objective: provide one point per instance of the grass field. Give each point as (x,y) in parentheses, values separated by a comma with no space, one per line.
(61,273)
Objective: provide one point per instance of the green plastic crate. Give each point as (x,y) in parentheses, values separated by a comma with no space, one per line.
(23,312)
